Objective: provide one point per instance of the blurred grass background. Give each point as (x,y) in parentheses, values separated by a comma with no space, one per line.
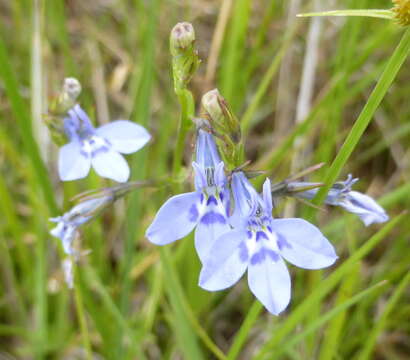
(298,86)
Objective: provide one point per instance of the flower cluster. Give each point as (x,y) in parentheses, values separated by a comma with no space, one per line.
(233,235)
(87,147)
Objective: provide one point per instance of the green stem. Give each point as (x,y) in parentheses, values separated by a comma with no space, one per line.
(377,13)
(186,101)
(244,331)
(79,304)
(185,334)
(386,79)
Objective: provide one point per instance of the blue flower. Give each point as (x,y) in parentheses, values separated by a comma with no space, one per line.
(99,147)
(258,243)
(341,194)
(207,208)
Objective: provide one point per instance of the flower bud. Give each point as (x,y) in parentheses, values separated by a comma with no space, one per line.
(401,12)
(185,58)
(59,107)
(182,37)
(220,115)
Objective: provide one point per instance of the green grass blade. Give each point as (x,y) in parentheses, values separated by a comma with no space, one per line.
(381,323)
(386,79)
(21,114)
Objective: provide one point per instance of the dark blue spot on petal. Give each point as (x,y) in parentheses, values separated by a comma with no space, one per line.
(269,229)
(213,217)
(202,198)
(282,242)
(261,235)
(249,234)
(211,200)
(263,254)
(221,196)
(258,257)
(193,213)
(272,254)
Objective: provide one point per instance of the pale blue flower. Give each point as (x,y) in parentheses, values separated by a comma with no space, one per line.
(341,194)
(207,208)
(98,147)
(258,243)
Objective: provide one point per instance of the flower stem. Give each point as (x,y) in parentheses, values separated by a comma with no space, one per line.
(79,304)
(186,101)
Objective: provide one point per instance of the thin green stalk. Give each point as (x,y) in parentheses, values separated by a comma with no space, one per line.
(386,79)
(324,288)
(377,13)
(79,305)
(19,110)
(187,104)
(244,331)
(185,335)
(381,323)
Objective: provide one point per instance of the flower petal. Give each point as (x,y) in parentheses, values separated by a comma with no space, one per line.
(365,207)
(267,196)
(210,227)
(72,163)
(110,164)
(175,219)
(269,281)
(302,244)
(125,136)
(226,262)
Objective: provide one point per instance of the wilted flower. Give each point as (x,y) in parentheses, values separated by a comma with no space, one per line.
(258,243)
(68,224)
(341,194)
(99,147)
(206,208)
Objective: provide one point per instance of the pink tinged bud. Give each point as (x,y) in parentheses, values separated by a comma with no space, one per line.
(220,115)
(182,37)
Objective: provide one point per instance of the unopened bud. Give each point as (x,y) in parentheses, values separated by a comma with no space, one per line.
(59,107)
(401,11)
(220,115)
(185,58)
(182,37)
(71,88)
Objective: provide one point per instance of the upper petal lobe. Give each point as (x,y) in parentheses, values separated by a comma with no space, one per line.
(125,136)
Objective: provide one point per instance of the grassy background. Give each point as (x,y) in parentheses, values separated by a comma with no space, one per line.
(298,87)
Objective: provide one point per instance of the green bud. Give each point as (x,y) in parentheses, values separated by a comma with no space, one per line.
(221,116)
(59,107)
(182,37)
(225,126)
(185,60)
